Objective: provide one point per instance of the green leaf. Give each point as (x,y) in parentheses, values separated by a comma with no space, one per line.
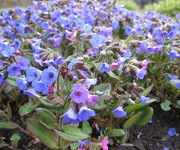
(116,132)
(48,137)
(11,80)
(47,104)
(86,128)
(75,145)
(132,120)
(27,108)
(7,125)
(166,105)
(113,76)
(3,144)
(137,107)
(104,88)
(72,133)
(15,139)
(146,116)
(47,118)
(94,146)
(147,90)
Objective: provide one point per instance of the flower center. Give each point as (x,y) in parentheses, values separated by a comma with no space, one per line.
(78,93)
(51,75)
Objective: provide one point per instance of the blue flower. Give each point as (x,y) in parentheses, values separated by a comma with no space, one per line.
(22,83)
(140,73)
(23,63)
(172,77)
(115,25)
(1,63)
(119,112)
(39,86)
(72,63)
(104,68)
(31,93)
(97,41)
(70,117)
(173,54)
(172,132)
(144,99)
(14,70)
(175,83)
(127,54)
(85,113)
(7,51)
(1,77)
(49,76)
(88,82)
(128,30)
(32,74)
(165,148)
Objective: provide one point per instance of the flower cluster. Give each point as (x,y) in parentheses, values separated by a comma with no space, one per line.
(92,55)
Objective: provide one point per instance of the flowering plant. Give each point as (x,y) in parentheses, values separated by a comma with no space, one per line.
(79,70)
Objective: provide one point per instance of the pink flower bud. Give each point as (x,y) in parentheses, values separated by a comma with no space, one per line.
(144,63)
(114,66)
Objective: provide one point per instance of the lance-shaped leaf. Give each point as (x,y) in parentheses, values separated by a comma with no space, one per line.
(145,117)
(46,117)
(47,136)
(147,90)
(136,107)
(7,125)
(72,133)
(27,108)
(113,76)
(116,132)
(86,128)
(132,120)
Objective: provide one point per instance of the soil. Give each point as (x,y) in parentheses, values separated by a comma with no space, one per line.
(153,136)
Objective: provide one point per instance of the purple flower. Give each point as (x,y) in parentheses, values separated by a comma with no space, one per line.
(23,63)
(144,99)
(92,100)
(104,68)
(1,77)
(140,73)
(49,76)
(32,74)
(70,117)
(31,93)
(79,94)
(172,132)
(14,70)
(85,113)
(119,112)
(22,83)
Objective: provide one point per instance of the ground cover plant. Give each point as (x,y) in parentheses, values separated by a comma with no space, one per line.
(80,74)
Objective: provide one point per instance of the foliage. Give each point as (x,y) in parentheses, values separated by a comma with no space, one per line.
(131,5)
(77,74)
(168,7)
